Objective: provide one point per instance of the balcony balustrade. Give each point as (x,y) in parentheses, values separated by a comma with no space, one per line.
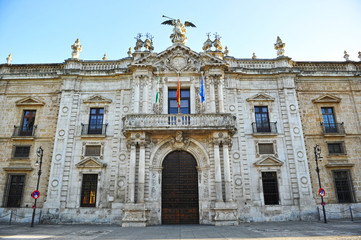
(93,129)
(264,128)
(178,121)
(332,128)
(24,131)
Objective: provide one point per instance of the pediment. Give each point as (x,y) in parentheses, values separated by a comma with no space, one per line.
(179,58)
(29,101)
(268,162)
(327,98)
(261,97)
(97,99)
(90,162)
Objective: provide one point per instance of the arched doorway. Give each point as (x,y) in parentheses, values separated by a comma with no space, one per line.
(180,189)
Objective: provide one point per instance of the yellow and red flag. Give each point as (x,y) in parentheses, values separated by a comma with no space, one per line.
(178,94)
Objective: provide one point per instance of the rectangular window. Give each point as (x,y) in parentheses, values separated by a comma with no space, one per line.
(14,191)
(21,152)
(89,190)
(343,186)
(262,120)
(27,123)
(329,120)
(184,101)
(265,148)
(92,150)
(336,148)
(96,121)
(270,188)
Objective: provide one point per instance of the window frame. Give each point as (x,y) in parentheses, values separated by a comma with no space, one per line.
(82,190)
(8,189)
(342,148)
(276,185)
(29,130)
(265,125)
(20,157)
(98,127)
(349,185)
(329,124)
(181,98)
(90,146)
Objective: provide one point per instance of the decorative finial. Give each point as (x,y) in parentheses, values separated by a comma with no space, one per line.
(226,51)
(8,59)
(148,43)
(208,43)
(130,53)
(179,29)
(254,56)
(105,57)
(139,35)
(279,46)
(208,34)
(76,49)
(346,56)
(359,56)
(217,36)
(217,42)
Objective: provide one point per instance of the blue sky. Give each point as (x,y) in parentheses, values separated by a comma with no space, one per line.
(37,31)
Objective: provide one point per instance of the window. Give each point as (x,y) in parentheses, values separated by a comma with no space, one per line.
(27,123)
(329,120)
(92,150)
(184,101)
(14,191)
(21,152)
(262,120)
(265,148)
(270,188)
(336,148)
(343,186)
(89,190)
(96,121)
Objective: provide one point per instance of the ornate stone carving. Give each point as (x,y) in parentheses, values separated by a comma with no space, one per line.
(279,46)
(179,142)
(254,56)
(139,43)
(359,56)
(226,51)
(207,44)
(130,52)
(179,30)
(76,49)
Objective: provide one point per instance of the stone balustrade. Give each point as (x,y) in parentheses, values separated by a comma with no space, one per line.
(178,121)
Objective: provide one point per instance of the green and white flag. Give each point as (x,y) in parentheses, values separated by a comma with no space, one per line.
(157,96)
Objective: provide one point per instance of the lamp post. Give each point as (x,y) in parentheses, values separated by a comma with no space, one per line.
(317,150)
(39,153)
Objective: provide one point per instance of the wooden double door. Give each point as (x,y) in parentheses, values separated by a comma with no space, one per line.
(180,189)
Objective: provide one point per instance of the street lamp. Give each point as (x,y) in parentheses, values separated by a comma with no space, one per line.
(39,153)
(317,150)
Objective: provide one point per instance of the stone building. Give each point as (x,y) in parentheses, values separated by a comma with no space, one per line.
(132,142)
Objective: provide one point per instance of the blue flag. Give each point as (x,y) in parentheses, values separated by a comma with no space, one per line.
(201,91)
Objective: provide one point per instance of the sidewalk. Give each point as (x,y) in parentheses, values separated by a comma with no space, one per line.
(269,231)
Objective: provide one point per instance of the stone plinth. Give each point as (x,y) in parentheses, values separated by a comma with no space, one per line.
(226,214)
(134,215)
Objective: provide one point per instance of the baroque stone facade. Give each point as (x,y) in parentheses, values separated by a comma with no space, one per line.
(106,138)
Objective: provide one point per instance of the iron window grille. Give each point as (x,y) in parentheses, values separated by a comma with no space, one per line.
(336,148)
(270,188)
(21,151)
(14,190)
(92,150)
(265,148)
(343,186)
(89,190)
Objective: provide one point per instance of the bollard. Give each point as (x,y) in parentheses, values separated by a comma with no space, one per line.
(351,214)
(11,216)
(40,215)
(318,214)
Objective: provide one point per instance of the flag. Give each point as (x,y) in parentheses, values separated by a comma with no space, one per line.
(201,90)
(178,94)
(157,96)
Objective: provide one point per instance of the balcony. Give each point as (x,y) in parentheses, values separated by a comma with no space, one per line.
(134,122)
(264,129)
(24,132)
(333,129)
(93,129)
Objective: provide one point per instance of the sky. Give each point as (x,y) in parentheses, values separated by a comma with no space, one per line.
(42,31)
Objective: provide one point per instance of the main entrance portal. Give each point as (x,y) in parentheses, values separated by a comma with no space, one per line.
(180,189)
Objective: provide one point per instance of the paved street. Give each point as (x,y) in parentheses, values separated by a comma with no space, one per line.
(270,231)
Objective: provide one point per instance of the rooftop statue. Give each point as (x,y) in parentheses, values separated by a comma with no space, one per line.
(76,47)
(279,46)
(8,59)
(179,30)
(346,56)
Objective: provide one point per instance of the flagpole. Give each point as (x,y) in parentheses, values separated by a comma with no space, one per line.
(178,95)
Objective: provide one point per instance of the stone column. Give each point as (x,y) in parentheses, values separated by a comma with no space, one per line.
(136,95)
(145,95)
(212,95)
(227,170)
(193,95)
(141,172)
(218,174)
(131,191)
(165,98)
(220,95)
